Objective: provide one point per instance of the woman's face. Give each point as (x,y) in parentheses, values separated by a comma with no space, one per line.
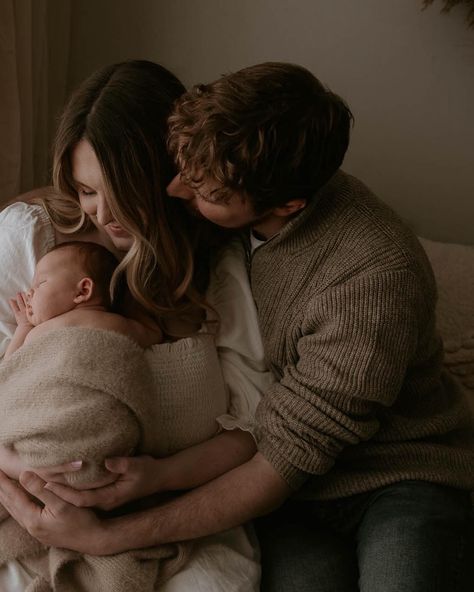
(90,185)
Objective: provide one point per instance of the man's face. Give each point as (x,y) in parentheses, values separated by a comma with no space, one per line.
(235,212)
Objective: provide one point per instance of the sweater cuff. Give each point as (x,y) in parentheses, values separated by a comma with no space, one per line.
(294,477)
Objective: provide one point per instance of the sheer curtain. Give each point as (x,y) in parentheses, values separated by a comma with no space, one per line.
(34,44)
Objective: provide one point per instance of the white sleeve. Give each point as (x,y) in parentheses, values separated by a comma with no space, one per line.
(26,234)
(239,343)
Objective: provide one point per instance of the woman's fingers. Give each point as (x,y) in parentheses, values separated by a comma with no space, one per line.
(56,472)
(107,479)
(105,497)
(128,475)
(120,464)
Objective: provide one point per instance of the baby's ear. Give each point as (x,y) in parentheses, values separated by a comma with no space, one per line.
(85,289)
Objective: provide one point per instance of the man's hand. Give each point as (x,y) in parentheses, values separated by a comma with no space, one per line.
(134,478)
(57,523)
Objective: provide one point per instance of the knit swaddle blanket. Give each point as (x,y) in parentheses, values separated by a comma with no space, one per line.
(89,394)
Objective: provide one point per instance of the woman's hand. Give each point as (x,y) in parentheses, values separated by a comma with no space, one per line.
(134,478)
(12,465)
(141,476)
(54,522)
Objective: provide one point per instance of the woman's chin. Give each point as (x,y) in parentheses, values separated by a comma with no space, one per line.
(120,241)
(122,244)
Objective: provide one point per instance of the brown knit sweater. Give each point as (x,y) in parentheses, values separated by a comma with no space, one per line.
(346,299)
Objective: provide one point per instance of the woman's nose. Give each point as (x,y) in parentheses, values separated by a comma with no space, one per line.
(179,189)
(103,213)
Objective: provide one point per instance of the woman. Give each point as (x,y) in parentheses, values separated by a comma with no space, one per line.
(110,173)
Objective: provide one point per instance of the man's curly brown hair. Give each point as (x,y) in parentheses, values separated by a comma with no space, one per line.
(271,132)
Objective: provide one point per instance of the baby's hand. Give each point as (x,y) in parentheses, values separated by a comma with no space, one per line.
(19,306)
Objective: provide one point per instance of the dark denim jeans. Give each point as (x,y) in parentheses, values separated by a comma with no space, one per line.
(407,537)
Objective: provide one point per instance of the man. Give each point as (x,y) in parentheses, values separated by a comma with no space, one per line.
(362,431)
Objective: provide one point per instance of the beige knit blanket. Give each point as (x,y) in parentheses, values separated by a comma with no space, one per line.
(78,393)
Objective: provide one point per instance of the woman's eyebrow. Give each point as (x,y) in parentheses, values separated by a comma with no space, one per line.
(81,184)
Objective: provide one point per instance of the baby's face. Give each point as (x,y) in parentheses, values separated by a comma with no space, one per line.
(54,286)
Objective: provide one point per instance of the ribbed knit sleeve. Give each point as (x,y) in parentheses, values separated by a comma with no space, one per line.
(352,356)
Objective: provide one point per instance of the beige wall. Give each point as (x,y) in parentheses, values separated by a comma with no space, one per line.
(407,74)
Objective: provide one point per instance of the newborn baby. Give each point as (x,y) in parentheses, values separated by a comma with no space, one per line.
(71,289)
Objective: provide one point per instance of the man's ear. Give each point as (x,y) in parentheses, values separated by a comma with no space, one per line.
(291,207)
(85,289)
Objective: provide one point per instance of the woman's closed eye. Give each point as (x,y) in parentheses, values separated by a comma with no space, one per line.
(86,192)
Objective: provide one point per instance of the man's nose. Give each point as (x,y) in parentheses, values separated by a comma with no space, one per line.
(103,213)
(177,188)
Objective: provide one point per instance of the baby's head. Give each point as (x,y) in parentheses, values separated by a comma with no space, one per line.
(71,275)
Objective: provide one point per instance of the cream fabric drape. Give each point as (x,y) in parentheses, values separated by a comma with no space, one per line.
(34,43)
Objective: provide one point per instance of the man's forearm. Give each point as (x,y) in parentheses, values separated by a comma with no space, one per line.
(248,491)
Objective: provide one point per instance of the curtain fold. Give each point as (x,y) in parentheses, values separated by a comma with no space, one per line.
(34,49)
(10,126)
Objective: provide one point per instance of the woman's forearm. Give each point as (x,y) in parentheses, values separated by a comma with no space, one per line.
(203,462)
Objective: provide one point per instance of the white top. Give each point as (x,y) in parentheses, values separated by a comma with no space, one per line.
(255,242)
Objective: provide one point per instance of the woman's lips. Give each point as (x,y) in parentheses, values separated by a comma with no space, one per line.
(117,230)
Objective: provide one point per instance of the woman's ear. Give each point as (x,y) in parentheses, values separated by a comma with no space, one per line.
(291,207)
(85,289)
